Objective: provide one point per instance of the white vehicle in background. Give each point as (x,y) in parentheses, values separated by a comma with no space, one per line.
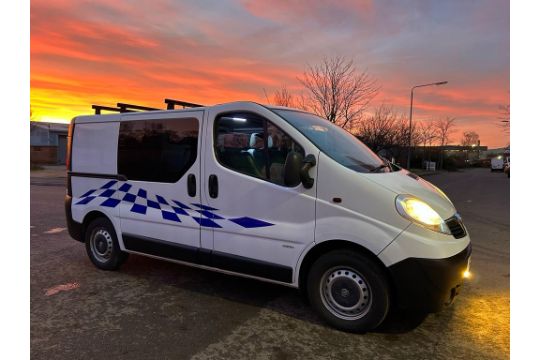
(497,163)
(271,193)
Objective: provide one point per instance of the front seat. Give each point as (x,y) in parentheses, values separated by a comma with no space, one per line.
(256,149)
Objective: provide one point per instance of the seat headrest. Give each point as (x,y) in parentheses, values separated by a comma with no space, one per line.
(256,136)
(253,140)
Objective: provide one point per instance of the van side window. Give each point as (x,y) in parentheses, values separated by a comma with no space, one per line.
(279,146)
(157,150)
(252,145)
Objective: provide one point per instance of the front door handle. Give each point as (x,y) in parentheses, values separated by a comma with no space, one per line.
(213,187)
(191,185)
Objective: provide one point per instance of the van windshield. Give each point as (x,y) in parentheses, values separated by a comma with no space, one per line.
(335,142)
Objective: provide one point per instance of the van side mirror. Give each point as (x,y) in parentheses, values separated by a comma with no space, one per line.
(296,169)
(291,170)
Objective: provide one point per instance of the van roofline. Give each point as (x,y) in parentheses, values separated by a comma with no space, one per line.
(97,118)
(118,116)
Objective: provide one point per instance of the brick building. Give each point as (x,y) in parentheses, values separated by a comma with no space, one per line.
(48,143)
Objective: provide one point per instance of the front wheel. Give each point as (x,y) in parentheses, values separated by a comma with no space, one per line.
(349,290)
(102,245)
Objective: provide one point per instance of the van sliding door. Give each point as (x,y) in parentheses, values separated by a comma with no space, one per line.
(161,202)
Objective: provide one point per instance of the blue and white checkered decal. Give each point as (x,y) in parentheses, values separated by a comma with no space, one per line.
(171,210)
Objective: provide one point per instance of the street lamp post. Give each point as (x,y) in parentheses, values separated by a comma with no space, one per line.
(410,117)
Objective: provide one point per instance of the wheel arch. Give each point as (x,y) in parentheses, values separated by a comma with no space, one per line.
(91,216)
(326,246)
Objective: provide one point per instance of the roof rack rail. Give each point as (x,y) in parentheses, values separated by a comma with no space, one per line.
(130,107)
(171,104)
(99,108)
(123,107)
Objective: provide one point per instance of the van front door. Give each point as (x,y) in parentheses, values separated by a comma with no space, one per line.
(160,157)
(258,225)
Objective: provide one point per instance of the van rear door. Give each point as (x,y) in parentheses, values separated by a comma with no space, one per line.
(159,155)
(92,179)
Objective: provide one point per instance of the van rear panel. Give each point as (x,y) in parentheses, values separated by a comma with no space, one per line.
(93,165)
(95,148)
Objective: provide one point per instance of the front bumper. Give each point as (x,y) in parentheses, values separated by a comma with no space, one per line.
(429,284)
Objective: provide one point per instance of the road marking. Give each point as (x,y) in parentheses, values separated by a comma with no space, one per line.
(62,287)
(55,230)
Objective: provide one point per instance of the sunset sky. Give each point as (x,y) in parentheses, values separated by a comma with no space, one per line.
(104,51)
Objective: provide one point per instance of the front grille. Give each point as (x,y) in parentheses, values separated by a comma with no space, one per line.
(456,226)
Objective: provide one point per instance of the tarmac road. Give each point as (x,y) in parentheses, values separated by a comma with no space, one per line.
(152,309)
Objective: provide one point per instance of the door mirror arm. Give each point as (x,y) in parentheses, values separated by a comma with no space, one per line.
(308,162)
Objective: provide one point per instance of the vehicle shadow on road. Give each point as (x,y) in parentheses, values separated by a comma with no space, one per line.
(399,322)
(286,301)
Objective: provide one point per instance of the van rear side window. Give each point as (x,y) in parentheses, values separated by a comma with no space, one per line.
(157,150)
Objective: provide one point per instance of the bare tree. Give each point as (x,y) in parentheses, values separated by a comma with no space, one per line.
(302,102)
(427,133)
(281,97)
(444,128)
(402,137)
(337,91)
(469,138)
(378,131)
(387,129)
(504,117)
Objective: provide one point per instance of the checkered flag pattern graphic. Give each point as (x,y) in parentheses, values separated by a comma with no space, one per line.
(141,202)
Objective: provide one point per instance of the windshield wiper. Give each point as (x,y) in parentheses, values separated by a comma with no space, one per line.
(380,167)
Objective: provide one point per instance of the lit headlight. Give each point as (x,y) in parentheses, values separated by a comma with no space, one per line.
(417,211)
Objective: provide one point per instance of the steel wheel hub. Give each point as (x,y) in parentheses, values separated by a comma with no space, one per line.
(345,293)
(101,244)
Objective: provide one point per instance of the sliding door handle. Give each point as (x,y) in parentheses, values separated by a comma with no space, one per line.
(213,187)
(191,185)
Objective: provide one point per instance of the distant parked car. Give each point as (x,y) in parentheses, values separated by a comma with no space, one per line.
(497,164)
(485,163)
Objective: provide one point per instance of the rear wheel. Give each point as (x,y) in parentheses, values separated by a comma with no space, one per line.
(348,290)
(102,245)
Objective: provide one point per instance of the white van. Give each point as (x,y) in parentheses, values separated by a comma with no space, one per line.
(497,163)
(271,193)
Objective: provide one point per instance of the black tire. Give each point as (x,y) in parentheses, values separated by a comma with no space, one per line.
(358,272)
(102,245)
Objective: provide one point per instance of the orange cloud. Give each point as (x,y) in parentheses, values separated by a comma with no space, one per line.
(106,52)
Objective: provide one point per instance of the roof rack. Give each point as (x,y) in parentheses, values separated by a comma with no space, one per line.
(99,108)
(123,107)
(129,107)
(171,104)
